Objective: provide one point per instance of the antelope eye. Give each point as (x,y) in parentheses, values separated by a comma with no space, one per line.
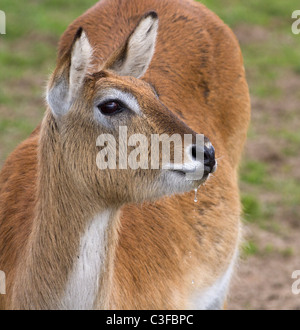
(110,108)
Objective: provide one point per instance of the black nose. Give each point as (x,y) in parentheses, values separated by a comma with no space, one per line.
(209,158)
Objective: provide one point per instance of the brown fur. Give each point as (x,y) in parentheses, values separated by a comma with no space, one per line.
(160,247)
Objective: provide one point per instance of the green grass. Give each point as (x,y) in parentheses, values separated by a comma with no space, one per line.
(291,138)
(46,17)
(257,179)
(269,13)
(278,49)
(290,189)
(249,248)
(254,172)
(42,23)
(27,56)
(264,68)
(252,208)
(252,248)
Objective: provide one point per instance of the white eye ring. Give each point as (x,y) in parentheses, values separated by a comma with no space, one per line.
(125,99)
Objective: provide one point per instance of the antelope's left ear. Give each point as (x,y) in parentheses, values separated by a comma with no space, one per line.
(68,77)
(134,58)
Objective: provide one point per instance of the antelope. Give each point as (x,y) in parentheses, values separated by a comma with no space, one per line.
(73,236)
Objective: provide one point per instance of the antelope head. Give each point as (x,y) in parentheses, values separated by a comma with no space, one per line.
(110,116)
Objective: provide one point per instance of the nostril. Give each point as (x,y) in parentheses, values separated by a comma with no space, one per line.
(209,157)
(206,155)
(194,152)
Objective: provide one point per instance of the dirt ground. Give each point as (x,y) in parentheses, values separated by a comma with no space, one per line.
(265,282)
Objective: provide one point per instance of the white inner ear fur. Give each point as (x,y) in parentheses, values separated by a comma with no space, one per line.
(80,62)
(140,49)
(65,89)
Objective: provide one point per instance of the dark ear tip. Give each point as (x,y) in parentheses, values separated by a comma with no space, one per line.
(151,13)
(76,37)
(78,33)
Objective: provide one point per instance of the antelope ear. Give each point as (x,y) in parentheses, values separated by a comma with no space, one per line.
(68,77)
(134,58)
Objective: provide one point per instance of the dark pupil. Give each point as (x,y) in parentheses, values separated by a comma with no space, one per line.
(109,108)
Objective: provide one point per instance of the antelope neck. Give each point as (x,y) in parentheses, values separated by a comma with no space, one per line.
(82,288)
(68,263)
(71,254)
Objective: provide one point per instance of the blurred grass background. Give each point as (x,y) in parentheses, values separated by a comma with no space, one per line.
(270,170)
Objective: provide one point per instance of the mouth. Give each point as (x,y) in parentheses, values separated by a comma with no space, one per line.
(188,176)
(195,171)
(211,170)
(182,179)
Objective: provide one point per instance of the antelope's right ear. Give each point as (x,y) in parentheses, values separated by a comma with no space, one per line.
(134,57)
(68,77)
